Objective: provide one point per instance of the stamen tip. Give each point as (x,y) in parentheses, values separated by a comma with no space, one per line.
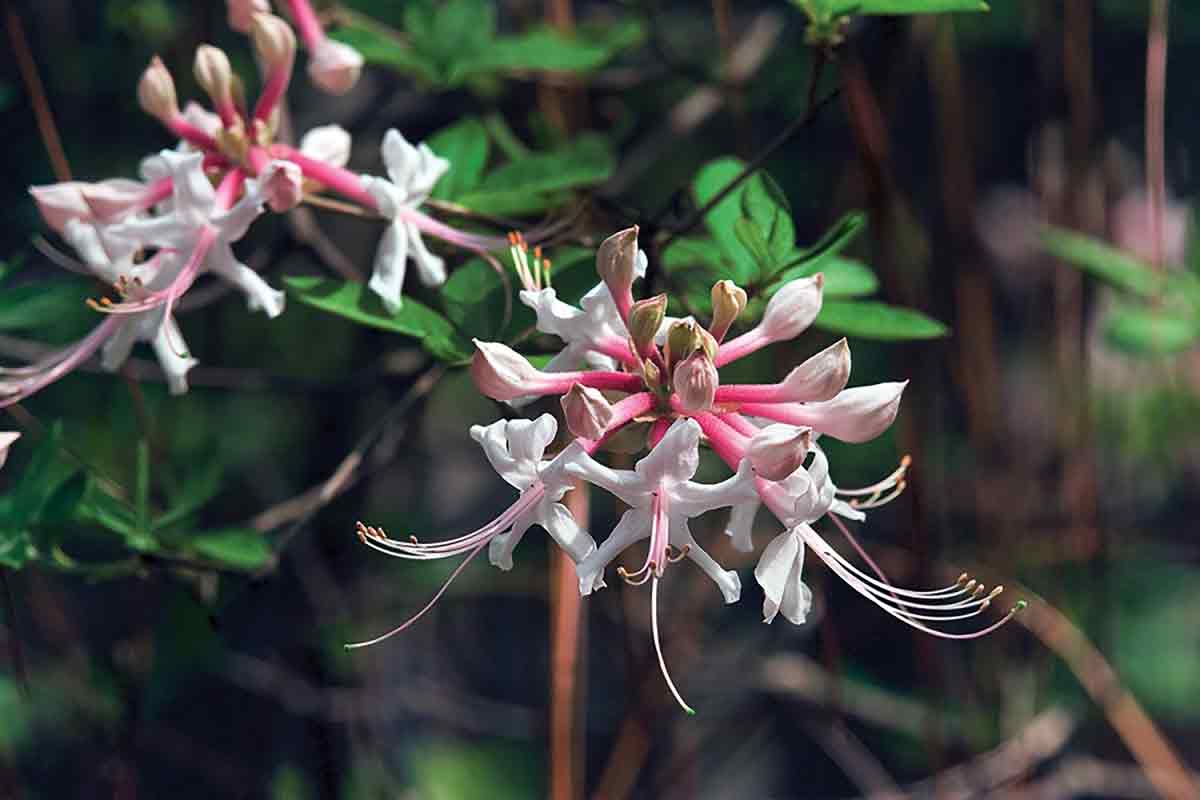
(1020,606)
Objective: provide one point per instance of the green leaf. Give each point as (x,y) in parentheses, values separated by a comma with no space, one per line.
(1151,331)
(546,49)
(721,221)
(241,548)
(356,303)
(1113,266)
(871,320)
(867,7)
(844,277)
(141,486)
(387,51)
(33,305)
(465,145)
(586,161)
(766,206)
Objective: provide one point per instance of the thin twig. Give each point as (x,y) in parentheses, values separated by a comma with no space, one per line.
(1156,101)
(795,127)
(37,94)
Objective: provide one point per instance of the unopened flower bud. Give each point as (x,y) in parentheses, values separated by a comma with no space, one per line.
(334,66)
(616,261)
(214,74)
(684,337)
(695,382)
(587,412)
(156,91)
(793,308)
(274,40)
(502,373)
(327,143)
(282,186)
(645,318)
(777,451)
(821,376)
(728,303)
(651,374)
(240,13)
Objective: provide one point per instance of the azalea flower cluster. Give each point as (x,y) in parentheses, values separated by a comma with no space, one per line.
(151,239)
(627,367)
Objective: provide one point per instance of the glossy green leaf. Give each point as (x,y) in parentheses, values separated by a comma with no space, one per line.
(358,304)
(1113,266)
(241,548)
(721,221)
(872,320)
(200,484)
(465,145)
(1151,331)
(832,242)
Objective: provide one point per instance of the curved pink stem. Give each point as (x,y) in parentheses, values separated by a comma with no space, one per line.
(190,133)
(307,23)
(741,347)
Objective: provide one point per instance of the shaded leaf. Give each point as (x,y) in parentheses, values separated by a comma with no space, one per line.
(378,48)
(241,548)
(866,7)
(545,49)
(1152,331)
(587,160)
(1113,266)
(465,145)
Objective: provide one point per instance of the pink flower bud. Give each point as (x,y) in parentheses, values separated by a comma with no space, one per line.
(274,40)
(616,261)
(156,91)
(695,382)
(587,412)
(214,74)
(502,373)
(241,13)
(334,66)
(282,185)
(59,203)
(792,309)
(777,451)
(821,377)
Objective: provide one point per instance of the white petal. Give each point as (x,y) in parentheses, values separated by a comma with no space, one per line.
(693,499)
(494,441)
(726,580)
(260,296)
(387,278)
(774,569)
(633,526)
(562,527)
(6,441)
(173,356)
(528,439)
(741,525)
(676,457)
(500,549)
(431,269)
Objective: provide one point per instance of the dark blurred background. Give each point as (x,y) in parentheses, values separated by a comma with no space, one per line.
(1044,457)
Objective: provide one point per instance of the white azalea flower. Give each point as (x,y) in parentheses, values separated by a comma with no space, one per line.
(204,233)
(515,449)
(412,171)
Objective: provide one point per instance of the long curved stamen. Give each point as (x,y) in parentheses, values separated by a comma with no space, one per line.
(432,602)
(659,554)
(66,360)
(377,538)
(884,595)
(894,485)
(662,662)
